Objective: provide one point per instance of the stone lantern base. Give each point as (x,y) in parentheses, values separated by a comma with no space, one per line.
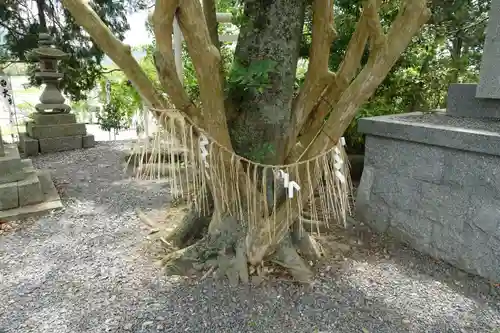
(24,191)
(48,133)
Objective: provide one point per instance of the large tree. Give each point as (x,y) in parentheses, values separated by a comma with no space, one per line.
(22,20)
(267,122)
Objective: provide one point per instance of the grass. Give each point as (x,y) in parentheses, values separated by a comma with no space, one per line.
(30,90)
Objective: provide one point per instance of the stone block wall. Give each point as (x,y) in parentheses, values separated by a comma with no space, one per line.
(442,201)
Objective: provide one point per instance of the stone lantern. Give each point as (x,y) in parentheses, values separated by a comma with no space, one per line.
(52,128)
(52,101)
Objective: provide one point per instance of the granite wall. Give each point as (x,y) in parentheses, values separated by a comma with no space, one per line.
(442,201)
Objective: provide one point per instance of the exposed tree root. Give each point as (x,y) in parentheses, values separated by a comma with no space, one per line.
(225,253)
(189,230)
(193,225)
(286,256)
(184,261)
(241,262)
(305,244)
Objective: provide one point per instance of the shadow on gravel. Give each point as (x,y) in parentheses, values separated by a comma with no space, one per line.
(422,266)
(83,269)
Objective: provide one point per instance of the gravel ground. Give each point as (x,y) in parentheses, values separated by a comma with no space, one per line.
(83,269)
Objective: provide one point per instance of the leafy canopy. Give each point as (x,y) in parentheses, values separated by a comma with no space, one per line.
(22,20)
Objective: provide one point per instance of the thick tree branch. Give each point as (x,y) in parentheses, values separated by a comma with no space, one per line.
(109,71)
(210,12)
(409,20)
(120,53)
(163,20)
(206,60)
(318,76)
(411,17)
(378,40)
(198,41)
(347,70)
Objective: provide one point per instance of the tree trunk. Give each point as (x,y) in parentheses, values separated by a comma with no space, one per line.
(271,33)
(40,4)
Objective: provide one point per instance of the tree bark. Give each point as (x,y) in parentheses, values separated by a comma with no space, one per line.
(271,31)
(210,12)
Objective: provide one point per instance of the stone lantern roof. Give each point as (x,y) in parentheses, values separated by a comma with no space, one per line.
(45,49)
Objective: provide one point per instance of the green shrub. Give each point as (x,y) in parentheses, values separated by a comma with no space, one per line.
(355,141)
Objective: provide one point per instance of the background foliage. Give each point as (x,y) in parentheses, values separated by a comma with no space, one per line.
(447,50)
(123,102)
(22,20)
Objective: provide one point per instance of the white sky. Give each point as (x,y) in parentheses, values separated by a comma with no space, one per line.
(137,35)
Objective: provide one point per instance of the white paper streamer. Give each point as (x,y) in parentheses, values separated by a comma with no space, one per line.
(203,149)
(338,162)
(289,185)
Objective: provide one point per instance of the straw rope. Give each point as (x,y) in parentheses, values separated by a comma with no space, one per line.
(193,160)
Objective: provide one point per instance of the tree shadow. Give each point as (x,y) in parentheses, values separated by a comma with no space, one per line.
(421,265)
(82,269)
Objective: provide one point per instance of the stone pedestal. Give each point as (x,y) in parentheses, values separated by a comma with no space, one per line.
(433,180)
(48,133)
(24,190)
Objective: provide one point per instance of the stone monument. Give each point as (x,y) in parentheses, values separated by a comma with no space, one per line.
(52,128)
(433,179)
(23,190)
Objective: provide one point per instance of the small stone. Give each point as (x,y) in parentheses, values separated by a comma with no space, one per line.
(257,280)
(147,324)
(340,246)
(405,321)
(127,326)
